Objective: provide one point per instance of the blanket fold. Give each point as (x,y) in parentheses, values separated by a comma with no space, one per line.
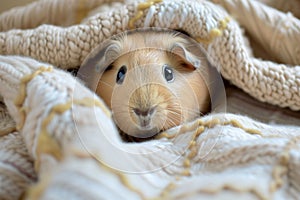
(206,22)
(58,139)
(71,131)
(277,32)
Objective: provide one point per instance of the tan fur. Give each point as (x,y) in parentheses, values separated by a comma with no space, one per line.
(144,86)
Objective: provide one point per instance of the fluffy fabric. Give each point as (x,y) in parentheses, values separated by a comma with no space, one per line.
(59,129)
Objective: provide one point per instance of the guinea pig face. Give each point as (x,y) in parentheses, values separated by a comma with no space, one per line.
(151,90)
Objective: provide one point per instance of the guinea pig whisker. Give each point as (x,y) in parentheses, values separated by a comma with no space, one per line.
(176,116)
(194,111)
(198,113)
(174,112)
(168,99)
(191,110)
(165,123)
(170,123)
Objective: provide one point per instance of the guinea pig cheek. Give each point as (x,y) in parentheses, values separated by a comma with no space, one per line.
(105,87)
(171,108)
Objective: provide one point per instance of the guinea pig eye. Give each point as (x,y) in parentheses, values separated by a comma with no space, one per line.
(121,74)
(168,73)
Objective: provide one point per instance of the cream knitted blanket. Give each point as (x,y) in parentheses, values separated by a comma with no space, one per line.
(58,140)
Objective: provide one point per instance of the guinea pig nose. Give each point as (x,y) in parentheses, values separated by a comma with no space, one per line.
(143,112)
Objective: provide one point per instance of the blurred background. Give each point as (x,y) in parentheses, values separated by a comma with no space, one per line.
(7,4)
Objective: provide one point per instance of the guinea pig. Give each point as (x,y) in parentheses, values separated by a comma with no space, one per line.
(153,80)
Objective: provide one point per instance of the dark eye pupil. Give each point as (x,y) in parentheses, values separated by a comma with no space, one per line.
(168,73)
(121,74)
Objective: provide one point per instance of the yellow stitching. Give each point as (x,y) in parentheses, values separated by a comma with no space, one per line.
(281,168)
(165,135)
(22,93)
(215,32)
(237,124)
(26,79)
(187,161)
(120,175)
(126,182)
(225,187)
(140,11)
(165,192)
(193,151)
(202,125)
(45,143)
(135,18)
(89,102)
(36,191)
(184,128)
(210,124)
(48,145)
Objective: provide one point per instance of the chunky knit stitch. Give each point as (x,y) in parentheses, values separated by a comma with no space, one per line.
(54,128)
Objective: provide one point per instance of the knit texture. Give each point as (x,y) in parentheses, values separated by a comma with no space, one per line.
(56,129)
(16,166)
(73,150)
(267,81)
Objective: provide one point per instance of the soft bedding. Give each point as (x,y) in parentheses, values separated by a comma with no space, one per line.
(58,139)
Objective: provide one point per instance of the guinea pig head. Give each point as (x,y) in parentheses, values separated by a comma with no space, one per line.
(151,89)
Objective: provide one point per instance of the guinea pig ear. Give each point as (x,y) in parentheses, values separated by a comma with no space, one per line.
(108,55)
(97,62)
(192,60)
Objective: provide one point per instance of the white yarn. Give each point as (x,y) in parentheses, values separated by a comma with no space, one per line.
(149,16)
(232,157)
(226,151)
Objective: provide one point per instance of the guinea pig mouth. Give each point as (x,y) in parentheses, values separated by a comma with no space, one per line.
(145,127)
